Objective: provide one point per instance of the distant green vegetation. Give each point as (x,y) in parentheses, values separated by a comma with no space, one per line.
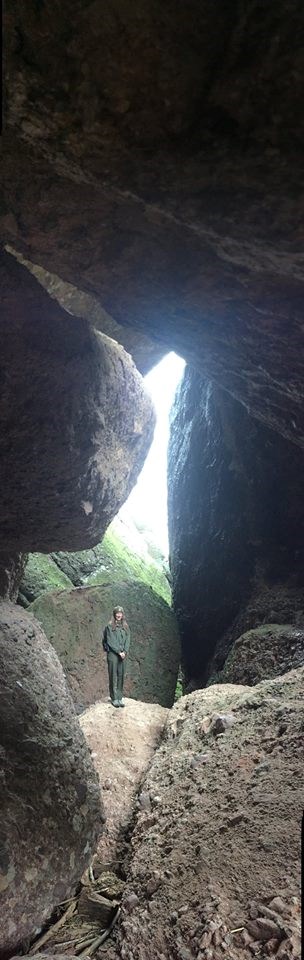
(119,563)
(178,690)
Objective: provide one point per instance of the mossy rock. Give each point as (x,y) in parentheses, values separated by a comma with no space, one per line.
(41,574)
(73,621)
(110,560)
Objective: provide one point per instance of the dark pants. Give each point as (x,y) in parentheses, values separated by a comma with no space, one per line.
(116,669)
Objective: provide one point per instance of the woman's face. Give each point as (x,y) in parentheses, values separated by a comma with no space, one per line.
(118,616)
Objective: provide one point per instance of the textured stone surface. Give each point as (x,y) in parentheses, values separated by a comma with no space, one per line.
(278,602)
(268,651)
(236,520)
(11,573)
(122,745)
(220,845)
(74,620)
(165,177)
(50,805)
(145,352)
(75,423)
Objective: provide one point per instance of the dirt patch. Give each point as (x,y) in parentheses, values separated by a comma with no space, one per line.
(123,742)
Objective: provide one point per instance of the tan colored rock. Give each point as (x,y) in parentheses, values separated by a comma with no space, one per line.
(122,744)
(50,800)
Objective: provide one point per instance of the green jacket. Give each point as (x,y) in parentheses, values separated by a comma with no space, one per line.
(116,638)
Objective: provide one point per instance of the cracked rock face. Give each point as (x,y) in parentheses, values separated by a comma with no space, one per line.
(50,805)
(75,423)
(165,178)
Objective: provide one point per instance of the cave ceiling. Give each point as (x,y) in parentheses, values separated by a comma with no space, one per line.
(152,157)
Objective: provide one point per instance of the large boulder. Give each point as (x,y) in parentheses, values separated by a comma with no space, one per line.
(236,522)
(145,351)
(50,804)
(268,651)
(214,869)
(73,621)
(165,177)
(75,426)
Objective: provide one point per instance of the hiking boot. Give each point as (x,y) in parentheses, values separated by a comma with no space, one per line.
(115,703)
(120,703)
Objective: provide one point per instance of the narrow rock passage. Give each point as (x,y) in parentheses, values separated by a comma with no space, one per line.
(123,742)
(213,792)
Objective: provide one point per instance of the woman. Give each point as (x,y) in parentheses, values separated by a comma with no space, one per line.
(116,643)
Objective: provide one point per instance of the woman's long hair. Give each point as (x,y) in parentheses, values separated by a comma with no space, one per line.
(121,623)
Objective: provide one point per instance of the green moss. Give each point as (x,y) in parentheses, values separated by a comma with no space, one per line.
(120,563)
(179,692)
(42,574)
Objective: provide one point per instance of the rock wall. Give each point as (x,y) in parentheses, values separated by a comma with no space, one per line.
(268,651)
(236,524)
(74,620)
(12,568)
(51,816)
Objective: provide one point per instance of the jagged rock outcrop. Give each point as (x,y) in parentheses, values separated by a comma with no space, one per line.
(225,882)
(165,177)
(268,651)
(236,524)
(73,621)
(75,422)
(50,803)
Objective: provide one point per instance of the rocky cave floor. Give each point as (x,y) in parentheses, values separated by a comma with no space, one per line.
(199,859)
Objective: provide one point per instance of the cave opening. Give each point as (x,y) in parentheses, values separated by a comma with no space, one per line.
(147,504)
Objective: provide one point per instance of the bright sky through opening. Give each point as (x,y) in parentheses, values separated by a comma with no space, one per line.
(147,504)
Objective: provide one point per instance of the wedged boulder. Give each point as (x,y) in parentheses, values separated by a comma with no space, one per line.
(75,422)
(73,621)
(236,523)
(50,804)
(144,351)
(215,860)
(268,651)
